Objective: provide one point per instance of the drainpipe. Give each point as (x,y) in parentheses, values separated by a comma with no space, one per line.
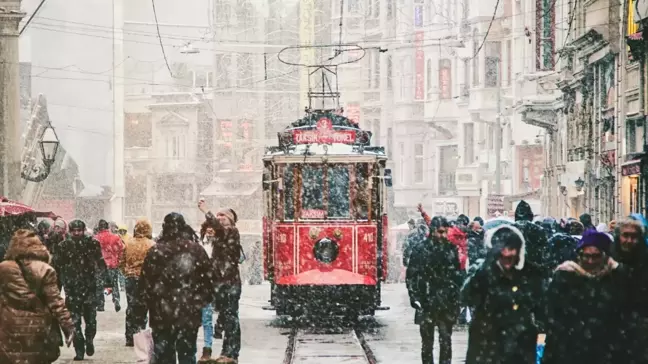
(643,186)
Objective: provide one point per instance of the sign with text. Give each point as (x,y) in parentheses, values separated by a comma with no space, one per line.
(631,168)
(324,134)
(313,214)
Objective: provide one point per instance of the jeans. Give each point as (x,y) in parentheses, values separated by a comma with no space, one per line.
(133,326)
(111,279)
(427,341)
(208,326)
(83,312)
(171,341)
(227,299)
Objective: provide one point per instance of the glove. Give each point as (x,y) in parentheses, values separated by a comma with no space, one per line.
(415,304)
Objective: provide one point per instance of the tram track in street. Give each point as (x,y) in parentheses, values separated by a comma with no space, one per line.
(331,345)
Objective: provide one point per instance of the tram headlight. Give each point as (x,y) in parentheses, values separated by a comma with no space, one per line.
(326,250)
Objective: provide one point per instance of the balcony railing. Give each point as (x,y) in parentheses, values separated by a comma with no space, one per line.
(447,183)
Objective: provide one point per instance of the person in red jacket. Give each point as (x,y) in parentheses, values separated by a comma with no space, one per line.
(112,248)
(460,239)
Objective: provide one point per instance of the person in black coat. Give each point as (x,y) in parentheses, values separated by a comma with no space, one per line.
(584,301)
(505,293)
(630,250)
(476,249)
(80,265)
(433,282)
(534,235)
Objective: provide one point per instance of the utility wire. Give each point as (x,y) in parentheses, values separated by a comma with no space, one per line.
(487,30)
(31,17)
(157,26)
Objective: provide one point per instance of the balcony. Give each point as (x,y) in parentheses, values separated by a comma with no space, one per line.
(447,183)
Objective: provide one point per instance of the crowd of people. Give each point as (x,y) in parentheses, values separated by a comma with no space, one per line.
(173,284)
(579,291)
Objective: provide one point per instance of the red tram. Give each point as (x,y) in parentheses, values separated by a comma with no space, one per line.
(325,221)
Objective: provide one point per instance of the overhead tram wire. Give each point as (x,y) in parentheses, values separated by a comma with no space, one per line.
(31,17)
(157,27)
(487,30)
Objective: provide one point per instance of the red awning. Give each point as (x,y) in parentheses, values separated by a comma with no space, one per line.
(13,208)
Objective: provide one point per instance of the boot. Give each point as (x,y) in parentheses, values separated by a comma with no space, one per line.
(226,360)
(206,355)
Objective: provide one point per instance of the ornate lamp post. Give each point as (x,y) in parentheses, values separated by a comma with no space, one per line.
(49,144)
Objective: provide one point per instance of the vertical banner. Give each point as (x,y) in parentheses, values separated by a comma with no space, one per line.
(419,66)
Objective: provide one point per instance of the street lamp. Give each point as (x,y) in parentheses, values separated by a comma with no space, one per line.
(49,144)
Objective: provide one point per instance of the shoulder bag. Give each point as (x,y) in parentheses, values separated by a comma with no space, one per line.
(53,339)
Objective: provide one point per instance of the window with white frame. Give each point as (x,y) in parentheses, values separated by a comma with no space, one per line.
(390,9)
(492,64)
(373,69)
(372,9)
(175,147)
(418,163)
(390,73)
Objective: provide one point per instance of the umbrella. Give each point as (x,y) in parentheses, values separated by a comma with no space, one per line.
(493,223)
(13,208)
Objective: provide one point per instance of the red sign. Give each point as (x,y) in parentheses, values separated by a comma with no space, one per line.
(367,240)
(530,166)
(313,214)
(419,88)
(226,131)
(284,250)
(353,113)
(63,208)
(324,134)
(631,168)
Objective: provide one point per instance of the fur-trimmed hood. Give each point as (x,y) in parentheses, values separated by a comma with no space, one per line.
(27,245)
(143,229)
(488,242)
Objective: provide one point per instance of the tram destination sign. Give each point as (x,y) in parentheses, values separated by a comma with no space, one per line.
(324,134)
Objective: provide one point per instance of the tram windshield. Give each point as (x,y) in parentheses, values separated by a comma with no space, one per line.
(324,191)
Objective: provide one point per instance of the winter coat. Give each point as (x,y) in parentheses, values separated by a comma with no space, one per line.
(175,284)
(583,316)
(534,235)
(80,266)
(635,307)
(414,238)
(476,248)
(226,253)
(30,306)
(459,239)
(433,278)
(561,248)
(136,249)
(112,247)
(506,311)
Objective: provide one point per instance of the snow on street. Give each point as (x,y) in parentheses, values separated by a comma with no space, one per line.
(392,335)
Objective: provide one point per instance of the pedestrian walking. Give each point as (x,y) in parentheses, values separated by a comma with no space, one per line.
(536,240)
(476,248)
(130,266)
(112,248)
(416,236)
(226,256)
(32,311)
(174,285)
(80,264)
(505,294)
(208,236)
(584,303)
(433,282)
(630,250)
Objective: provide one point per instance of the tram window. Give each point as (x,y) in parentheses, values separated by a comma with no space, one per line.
(362,194)
(338,191)
(288,185)
(312,188)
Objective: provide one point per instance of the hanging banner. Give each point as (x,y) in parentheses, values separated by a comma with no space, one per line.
(353,113)
(419,82)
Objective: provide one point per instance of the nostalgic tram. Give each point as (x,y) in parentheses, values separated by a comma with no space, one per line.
(325,221)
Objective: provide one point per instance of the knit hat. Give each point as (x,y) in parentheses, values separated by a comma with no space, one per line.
(596,239)
(230,214)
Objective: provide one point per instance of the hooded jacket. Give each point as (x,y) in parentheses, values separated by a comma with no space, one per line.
(534,235)
(476,248)
(416,236)
(30,305)
(507,309)
(226,253)
(136,249)
(582,312)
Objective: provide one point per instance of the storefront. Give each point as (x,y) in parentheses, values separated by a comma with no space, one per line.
(630,187)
